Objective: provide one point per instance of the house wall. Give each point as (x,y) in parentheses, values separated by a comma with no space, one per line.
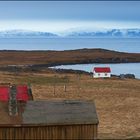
(101,75)
(83,131)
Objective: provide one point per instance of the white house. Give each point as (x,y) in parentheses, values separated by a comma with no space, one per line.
(101,72)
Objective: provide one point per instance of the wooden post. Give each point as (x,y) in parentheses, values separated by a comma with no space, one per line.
(65,88)
(54,84)
(78,80)
(54,89)
(30,91)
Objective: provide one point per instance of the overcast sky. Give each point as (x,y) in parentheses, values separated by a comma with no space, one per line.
(57,16)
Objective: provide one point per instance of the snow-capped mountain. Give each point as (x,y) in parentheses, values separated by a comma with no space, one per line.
(107,33)
(25,33)
(119,33)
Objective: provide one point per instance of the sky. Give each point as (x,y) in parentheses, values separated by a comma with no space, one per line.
(62,16)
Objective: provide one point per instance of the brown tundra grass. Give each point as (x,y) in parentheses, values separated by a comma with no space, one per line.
(117,101)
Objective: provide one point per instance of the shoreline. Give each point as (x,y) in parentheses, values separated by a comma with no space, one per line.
(42,61)
(18,70)
(60,64)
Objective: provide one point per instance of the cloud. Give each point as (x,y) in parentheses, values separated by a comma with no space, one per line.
(70,10)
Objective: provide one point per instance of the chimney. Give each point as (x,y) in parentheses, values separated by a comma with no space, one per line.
(13,108)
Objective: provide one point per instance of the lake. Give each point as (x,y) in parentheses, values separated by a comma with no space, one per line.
(124,45)
(117,69)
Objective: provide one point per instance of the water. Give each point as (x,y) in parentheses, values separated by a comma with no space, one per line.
(117,69)
(124,45)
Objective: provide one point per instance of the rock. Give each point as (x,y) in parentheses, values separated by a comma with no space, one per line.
(131,76)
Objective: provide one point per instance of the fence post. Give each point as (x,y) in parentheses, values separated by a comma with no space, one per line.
(78,78)
(54,84)
(65,88)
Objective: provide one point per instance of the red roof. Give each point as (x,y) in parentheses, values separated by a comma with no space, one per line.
(102,69)
(4,93)
(22,93)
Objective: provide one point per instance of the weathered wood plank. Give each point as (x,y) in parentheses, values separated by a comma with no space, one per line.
(50,132)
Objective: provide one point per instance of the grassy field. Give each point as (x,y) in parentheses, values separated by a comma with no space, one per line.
(117,101)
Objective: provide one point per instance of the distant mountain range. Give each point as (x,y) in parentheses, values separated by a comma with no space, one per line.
(121,33)
(118,33)
(24,33)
